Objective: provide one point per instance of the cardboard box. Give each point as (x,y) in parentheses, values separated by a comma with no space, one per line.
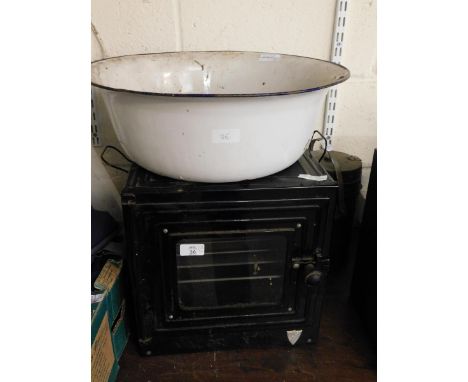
(104,366)
(109,281)
(109,333)
(119,333)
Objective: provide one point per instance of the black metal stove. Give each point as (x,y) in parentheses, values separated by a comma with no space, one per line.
(228,265)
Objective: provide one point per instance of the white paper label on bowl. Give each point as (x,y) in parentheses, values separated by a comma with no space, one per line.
(192,249)
(269,57)
(225,136)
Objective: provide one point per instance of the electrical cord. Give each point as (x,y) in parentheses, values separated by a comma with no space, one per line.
(113,165)
(336,165)
(312,143)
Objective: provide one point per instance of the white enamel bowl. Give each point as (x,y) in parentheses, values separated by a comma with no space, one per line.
(215,116)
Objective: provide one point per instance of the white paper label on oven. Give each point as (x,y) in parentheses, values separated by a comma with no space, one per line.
(192,249)
(318,178)
(225,136)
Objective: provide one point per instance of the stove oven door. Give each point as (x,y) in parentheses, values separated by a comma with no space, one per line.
(237,271)
(231,269)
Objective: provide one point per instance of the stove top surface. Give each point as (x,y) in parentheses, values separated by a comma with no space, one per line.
(306,172)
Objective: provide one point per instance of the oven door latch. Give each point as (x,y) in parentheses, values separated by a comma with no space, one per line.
(298,261)
(317,260)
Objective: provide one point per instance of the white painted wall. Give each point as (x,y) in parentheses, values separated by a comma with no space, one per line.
(302,27)
(356,128)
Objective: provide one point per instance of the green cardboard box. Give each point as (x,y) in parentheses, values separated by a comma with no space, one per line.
(109,280)
(104,366)
(109,333)
(119,333)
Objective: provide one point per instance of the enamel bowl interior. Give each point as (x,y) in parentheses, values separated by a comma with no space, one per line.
(221,74)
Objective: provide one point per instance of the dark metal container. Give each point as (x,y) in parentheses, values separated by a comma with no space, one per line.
(364,286)
(346,169)
(228,265)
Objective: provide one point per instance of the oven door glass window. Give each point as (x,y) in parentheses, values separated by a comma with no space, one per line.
(230,271)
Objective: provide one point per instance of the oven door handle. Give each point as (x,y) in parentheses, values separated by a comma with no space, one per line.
(312,276)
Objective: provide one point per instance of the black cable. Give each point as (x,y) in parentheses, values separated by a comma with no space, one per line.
(110,164)
(323,138)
